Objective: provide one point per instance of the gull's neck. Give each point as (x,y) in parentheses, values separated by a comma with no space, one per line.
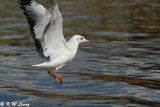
(73,44)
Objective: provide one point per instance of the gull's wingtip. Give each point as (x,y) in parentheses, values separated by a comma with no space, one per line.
(24,2)
(53,2)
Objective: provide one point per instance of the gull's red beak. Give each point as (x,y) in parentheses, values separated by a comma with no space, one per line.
(87,41)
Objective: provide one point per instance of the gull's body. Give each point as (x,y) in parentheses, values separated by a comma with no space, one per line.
(62,56)
(47,35)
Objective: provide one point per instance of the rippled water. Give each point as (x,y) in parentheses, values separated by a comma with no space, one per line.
(120,69)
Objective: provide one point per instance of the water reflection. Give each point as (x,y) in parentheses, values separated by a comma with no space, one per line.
(121,68)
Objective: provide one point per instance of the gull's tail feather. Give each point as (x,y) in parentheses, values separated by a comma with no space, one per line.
(33,66)
(41,65)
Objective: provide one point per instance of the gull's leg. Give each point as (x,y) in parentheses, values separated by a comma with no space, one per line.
(55,79)
(58,76)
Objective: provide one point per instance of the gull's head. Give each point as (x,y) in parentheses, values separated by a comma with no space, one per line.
(81,39)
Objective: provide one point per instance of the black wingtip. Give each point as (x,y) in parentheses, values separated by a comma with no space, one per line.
(19,2)
(24,2)
(53,2)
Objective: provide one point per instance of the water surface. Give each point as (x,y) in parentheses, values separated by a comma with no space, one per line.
(120,69)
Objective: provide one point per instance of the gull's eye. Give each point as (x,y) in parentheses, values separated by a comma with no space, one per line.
(81,38)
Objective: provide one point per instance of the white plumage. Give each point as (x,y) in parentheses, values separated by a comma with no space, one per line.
(47,35)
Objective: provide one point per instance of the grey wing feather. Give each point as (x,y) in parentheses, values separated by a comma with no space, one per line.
(53,38)
(38,18)
(45,27)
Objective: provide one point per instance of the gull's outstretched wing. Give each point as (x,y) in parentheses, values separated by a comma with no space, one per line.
(45,27)
(38,18)
(53,39)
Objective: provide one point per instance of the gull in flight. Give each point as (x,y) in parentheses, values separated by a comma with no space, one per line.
(47,34)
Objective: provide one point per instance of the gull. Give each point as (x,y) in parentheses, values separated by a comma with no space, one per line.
(47,35)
